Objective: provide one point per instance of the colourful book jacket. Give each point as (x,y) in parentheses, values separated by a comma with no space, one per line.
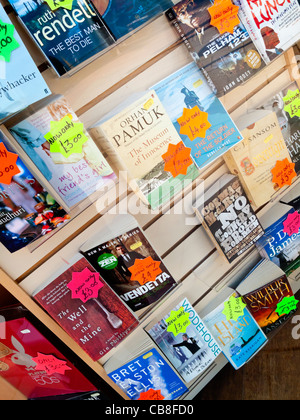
(21,83)
(239,339)
(27,211)
(227,60)
(149,377)
(69,39)
(187,89)
(273,26)
(185,340)
(99,324)
(125,17)
(49,137)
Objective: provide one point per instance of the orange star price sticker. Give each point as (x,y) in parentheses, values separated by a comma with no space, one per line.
(151,394)
(194,123)
(224,16)
(145,270)
(283,173)
(8,165)
(177,159)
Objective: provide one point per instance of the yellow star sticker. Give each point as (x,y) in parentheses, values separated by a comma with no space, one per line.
(234,308)
(194,123)
(178,321)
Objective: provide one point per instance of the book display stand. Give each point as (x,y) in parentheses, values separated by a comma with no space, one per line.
(129,68)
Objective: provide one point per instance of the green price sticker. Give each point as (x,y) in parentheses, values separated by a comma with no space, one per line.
(7,41)
(107,261)
(287,305)
(292,103)
(66,137)
(234,308)
(56,4)
(178,321)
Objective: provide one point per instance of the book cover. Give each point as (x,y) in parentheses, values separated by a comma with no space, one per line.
(74,175)
(27,211)
(185,340)
(135,138)
(186,89)
(21,83)
(22,342)
(274,26)
(99,324)
(227,60)
(239,339)
(124,17)
(254,157)
(68,38)
(230,219)
(149,377)
(131,267)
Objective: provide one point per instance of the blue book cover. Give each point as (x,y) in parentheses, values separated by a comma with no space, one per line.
(239,340)
(186,89)
(68,38)
(21,83)
(123,17)
(148,373)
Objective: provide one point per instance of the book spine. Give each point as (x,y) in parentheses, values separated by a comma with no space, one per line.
(171,16)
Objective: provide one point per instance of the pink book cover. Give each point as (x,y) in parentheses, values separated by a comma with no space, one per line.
(23,342)
(97,325)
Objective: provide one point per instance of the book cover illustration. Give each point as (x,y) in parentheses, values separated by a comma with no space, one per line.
(227,60)
(149,376)
(116,260)
(68,38)
(136,138)
(22,343)
(186,89)
(21,83)
(274,26)
(231,220)
(185,340)
(27,211)
(97,325)
(124,17)
(239,339)
(74,176)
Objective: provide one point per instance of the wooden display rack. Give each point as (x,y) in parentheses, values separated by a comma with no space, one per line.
(132,66)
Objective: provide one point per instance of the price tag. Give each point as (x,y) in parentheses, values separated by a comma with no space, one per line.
(177,159)
(151,394)
(287,305)
(7,40)
(234,308)
(224,16)
(194,123)
(50,364)
(283,173)
(291,225)
(8,165)
(145,270)
(292,103)
(85,285)
(66,137)
(56,4)
(178,322)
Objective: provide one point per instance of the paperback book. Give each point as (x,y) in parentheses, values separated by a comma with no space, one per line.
(60,147)
(279,244)
(273,26)
(149,377)
(125,17)
(99,321)
(27,211)
(227,60)
(227,216)
(69,39)
(21,83)
(188,91)
(254,158)
(136,136)
(263,289)
(239,339)
(185,340)
(126,260)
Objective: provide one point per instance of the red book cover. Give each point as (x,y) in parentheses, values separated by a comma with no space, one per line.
(20,343)
(97,325)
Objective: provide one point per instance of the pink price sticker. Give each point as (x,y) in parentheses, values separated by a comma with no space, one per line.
(50,364)
(85,285)
(292,224)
